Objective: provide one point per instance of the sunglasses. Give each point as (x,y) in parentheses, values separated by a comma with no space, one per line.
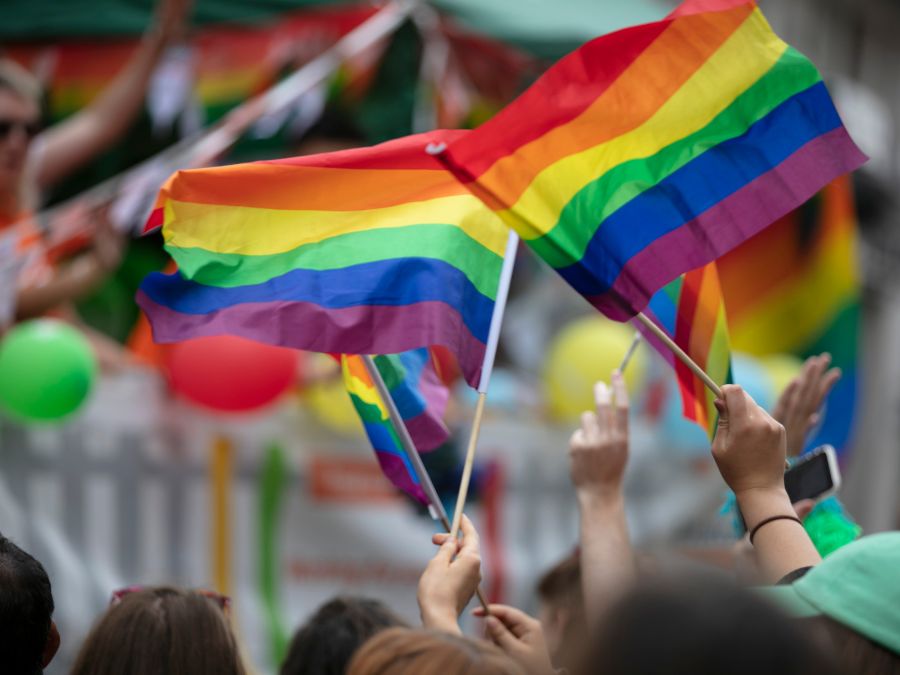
(222,601)
(30,129)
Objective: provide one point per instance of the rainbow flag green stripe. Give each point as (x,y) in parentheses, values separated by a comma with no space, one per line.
(666,146)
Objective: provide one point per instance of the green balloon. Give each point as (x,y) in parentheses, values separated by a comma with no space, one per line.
(47,369)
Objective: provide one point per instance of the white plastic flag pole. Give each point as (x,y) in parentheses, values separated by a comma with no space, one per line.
(490,353)
(409,447)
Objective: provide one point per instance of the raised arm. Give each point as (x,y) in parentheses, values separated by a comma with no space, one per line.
(68,145)
(749,449)
(598,453)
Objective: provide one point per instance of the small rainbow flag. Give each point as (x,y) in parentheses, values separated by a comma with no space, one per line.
(421,399)
(368,251)
(692,312)
(654,150)
(808,300)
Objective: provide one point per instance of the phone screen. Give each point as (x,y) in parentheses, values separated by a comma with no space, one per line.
(809,479)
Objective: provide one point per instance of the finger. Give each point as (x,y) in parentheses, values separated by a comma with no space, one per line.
(804,507)
(603,401)
(809,378)
(438,538)
(590,427)
(446,552)
(736,401)
(827,381)
(470,537)
(515,620)
(620,396)
(786,401)
(499,634)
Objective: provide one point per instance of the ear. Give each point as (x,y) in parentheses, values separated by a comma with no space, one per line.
(52,645)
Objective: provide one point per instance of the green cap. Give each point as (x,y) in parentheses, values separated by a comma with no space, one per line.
(858,586)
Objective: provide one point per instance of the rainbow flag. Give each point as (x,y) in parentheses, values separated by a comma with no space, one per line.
(369,251)
(692,312)
(808,300)
(656,149)
(421,399)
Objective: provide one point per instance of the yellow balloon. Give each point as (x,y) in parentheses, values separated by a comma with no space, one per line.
(781,369)
(327,399)
(585,351)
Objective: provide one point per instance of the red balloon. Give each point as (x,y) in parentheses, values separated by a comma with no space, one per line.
(230,374)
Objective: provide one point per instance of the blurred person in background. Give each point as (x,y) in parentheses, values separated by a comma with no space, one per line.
(325,644)
(28,636)
(561,611)
(32,160)
(403,651)
(162,630)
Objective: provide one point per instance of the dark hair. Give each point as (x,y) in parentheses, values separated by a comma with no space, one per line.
(562,582)
(562,599)
(161,630)
(26,608)
(404,651)
(325,644)
(856,653)
(702,626)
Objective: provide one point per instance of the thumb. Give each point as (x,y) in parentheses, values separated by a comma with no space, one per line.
(499,634)
(804,507)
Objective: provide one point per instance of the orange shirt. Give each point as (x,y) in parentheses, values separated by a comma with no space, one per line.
(20,237)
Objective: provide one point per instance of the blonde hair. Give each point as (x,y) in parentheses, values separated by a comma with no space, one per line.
(404,651)
(19,81)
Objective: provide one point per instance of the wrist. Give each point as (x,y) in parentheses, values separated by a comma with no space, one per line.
(444,621)
(759,503)
(601,499)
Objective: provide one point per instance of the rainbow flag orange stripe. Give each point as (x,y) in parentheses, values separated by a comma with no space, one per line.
(654,150)
(368,251)
(692,311)
(421,399)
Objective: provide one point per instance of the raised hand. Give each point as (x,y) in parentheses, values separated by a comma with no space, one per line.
(450,579)
(798,407)
(520,636)
(598,450)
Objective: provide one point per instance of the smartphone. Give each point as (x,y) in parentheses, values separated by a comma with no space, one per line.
(814,476)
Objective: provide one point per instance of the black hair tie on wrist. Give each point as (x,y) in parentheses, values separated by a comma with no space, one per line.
(772,519)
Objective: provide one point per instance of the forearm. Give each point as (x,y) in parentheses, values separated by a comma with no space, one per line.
(607,559)
(70,282)
(73,142)
(782,546)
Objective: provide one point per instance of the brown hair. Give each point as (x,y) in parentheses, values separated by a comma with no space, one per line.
(16,79)
(855,653)
(404,651)
(560,592)
(161,630)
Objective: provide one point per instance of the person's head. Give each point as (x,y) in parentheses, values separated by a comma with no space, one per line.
(20,114)
(562,609)
(161,630)
(701,626)
(28,636)
(404,651)
(854,594)
(325,644)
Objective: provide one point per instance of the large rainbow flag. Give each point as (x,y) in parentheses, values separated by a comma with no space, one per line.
(808,300)
(369,251)
(692,312)
(421,399)
(656,149)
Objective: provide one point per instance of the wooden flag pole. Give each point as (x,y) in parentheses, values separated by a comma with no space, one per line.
(680,353)
(409,447)
(490,353)
(221,473)
(636,340)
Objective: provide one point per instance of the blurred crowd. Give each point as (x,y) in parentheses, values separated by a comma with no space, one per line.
(774,606)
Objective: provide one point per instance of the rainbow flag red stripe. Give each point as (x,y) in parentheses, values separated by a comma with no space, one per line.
(369,251)
(421,399)
(692,312)
(654,150)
